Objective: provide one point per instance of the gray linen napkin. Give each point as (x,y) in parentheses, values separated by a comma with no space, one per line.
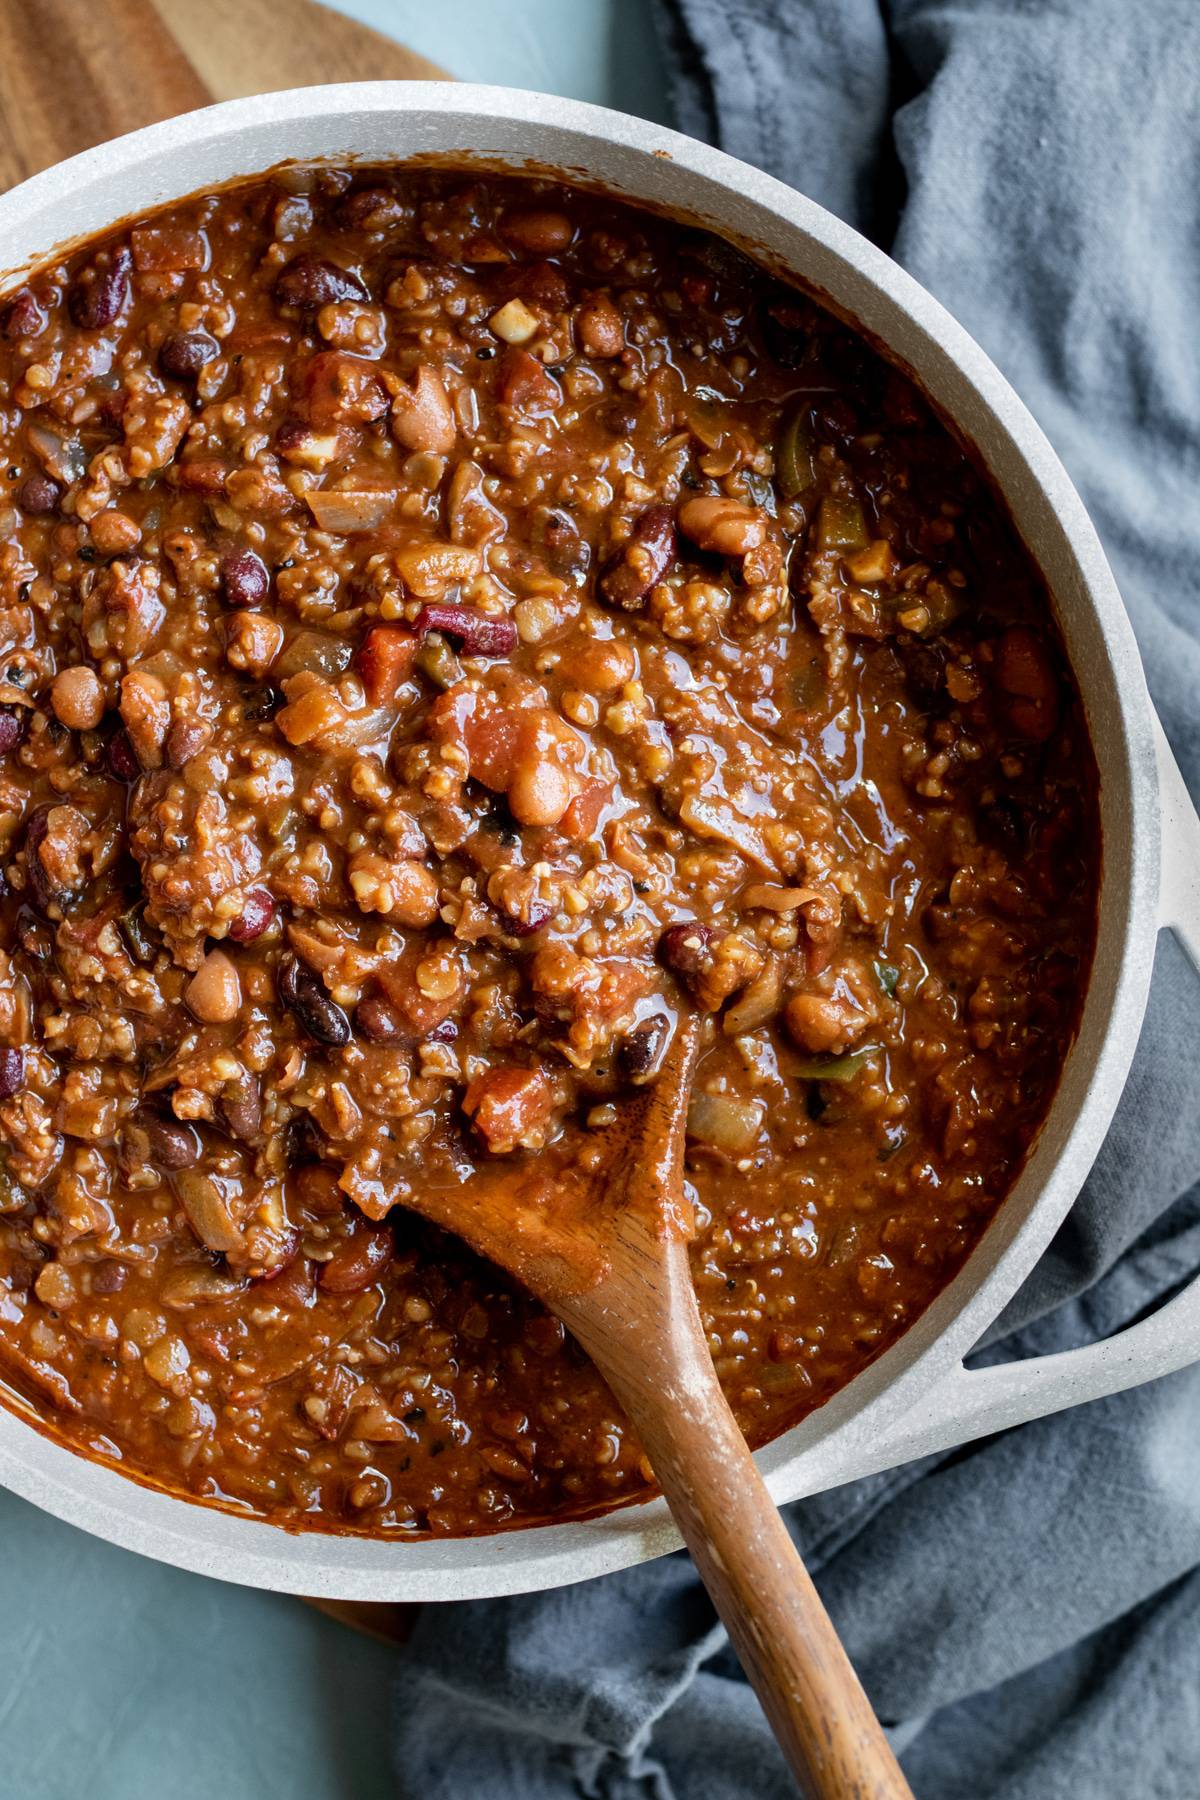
(1025,1613)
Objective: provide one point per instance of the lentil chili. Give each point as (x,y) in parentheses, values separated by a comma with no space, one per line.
(447,623)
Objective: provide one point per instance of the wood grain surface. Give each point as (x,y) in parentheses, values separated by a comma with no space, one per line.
(75,72)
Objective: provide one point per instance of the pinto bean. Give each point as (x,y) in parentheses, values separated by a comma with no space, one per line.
(358,1259)
(642,560)
(600,327)
(422,417)
(542,231)
(725,527)
(214,994)
(77,698)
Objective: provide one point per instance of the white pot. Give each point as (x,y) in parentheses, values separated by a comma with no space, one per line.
(917,1398)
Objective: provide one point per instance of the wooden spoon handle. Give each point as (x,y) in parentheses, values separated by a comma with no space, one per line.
(789,1649)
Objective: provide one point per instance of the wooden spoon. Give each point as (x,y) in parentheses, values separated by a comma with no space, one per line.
(606,1249)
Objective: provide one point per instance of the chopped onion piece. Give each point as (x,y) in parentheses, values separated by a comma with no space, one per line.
(725,1124)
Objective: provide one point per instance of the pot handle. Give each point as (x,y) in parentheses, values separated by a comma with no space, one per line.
(972,1404)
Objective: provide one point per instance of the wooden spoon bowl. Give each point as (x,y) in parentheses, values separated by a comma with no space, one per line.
(606,1249)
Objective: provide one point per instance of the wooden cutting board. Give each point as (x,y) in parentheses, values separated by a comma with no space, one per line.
(75,72)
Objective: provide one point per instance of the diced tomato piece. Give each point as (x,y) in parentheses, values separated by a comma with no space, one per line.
(487,731)
(525,384)
(385,660)
(508,1107)
(341,389)
(160,248)
(582,816)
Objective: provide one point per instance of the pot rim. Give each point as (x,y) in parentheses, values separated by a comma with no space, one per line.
(638,160)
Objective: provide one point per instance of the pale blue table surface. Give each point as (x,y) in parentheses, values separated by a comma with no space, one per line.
(124,1680)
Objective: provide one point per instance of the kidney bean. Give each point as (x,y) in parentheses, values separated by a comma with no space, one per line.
(301,992)
(12,1072)
(477,632)
(642,561)
(22,317)
(357,1260)
(540,912)
(183,354)
(98,296)
(186,738)
(257,913)
(640,1052)
(239,1108)
(109,1277)
(70,828)
(309,282)
(171,1144)
(39,494)
(121,757)
(245,579)
(377,1020)
(686,948)
(12,730)
(445,1033)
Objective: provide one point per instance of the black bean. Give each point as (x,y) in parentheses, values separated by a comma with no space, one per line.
(309,282)
(184,354)
(258,912)
(170,1143)
(100,294)
(619,417)
(786,326)
(121,757)
(12,1072)
(301,1142)
(245,580)
(139,941)
(12,729)
(640,1053)
(302,993)
(38,494)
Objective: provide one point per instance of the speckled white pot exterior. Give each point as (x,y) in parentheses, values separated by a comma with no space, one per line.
(917,1398)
